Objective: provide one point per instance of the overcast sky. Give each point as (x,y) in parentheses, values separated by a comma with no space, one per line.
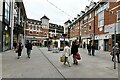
(35,9)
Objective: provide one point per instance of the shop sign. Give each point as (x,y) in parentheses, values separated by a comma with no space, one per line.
(91,35)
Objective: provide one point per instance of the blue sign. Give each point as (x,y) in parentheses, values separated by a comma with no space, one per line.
(91,35)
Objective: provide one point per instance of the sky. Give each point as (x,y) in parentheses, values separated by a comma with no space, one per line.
(66,9)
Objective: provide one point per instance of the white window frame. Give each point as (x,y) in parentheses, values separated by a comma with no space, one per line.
(90,15)
(117,15)
(101,19)
(85,28)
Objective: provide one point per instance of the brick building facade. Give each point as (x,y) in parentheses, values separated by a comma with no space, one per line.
(96,24)
(40,31)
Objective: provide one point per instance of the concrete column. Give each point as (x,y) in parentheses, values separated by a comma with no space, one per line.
(18,22)
(1,13)
(12,21)
(19,16)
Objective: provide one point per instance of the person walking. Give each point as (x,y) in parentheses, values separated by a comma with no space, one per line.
(14,45)
(89,49)
(19,49)
(74,51)
(67,53)
(93,49)
(116,49)
(29,48)
(84,45)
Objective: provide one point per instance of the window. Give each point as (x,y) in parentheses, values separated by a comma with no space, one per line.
(101,19)
(85,28)
(104,6)
(34,27)
(38,28)
(89,26)
(90,15)
(30,32)
(118,16)
(31,27)
(7,10)
(85,19)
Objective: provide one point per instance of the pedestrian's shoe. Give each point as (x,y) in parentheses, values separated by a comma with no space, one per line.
(69,65)
(76,63)
(18,57)
(28,56)
(64,63)
(89,54)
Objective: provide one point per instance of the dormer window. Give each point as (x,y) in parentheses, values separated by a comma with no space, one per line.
(86,9)
(82,12)
(91,5)
(85,19)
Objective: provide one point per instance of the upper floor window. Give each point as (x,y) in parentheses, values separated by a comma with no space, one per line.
(85,19)
(90,15)
(85,28)
(38,28)
(101,19)
(30,32)
(118,16)
(102,7)
(7,10)
(89,26)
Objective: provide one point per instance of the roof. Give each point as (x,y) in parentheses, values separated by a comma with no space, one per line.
(68,21)
(45,17)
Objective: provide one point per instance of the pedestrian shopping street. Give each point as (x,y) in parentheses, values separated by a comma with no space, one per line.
(46,64)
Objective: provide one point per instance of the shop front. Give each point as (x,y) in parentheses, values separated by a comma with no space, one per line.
(6,38)
(102,42)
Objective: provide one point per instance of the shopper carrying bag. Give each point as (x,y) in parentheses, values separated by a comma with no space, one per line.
(67,54)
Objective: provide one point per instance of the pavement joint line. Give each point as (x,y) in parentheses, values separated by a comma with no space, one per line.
(52,63)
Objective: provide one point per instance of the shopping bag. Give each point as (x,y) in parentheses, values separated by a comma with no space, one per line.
(78,56)
(62,58)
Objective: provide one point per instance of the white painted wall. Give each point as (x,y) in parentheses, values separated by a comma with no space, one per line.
(1,9)
(101,44)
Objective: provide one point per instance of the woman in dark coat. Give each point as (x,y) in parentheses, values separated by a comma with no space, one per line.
(74,51)
(20,47)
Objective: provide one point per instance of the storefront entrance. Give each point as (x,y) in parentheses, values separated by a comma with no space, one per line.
(106,44)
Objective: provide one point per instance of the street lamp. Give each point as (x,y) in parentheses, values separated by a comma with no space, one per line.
(114,52)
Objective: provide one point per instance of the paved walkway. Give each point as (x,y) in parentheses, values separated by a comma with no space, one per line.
(99,66)
(35,67)
(45,64)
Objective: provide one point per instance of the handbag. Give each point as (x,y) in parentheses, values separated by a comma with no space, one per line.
(78,56)
(62,58)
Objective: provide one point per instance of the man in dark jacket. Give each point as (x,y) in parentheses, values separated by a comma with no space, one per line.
(93,49)
(74,51)
(89,49)
(29,48)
